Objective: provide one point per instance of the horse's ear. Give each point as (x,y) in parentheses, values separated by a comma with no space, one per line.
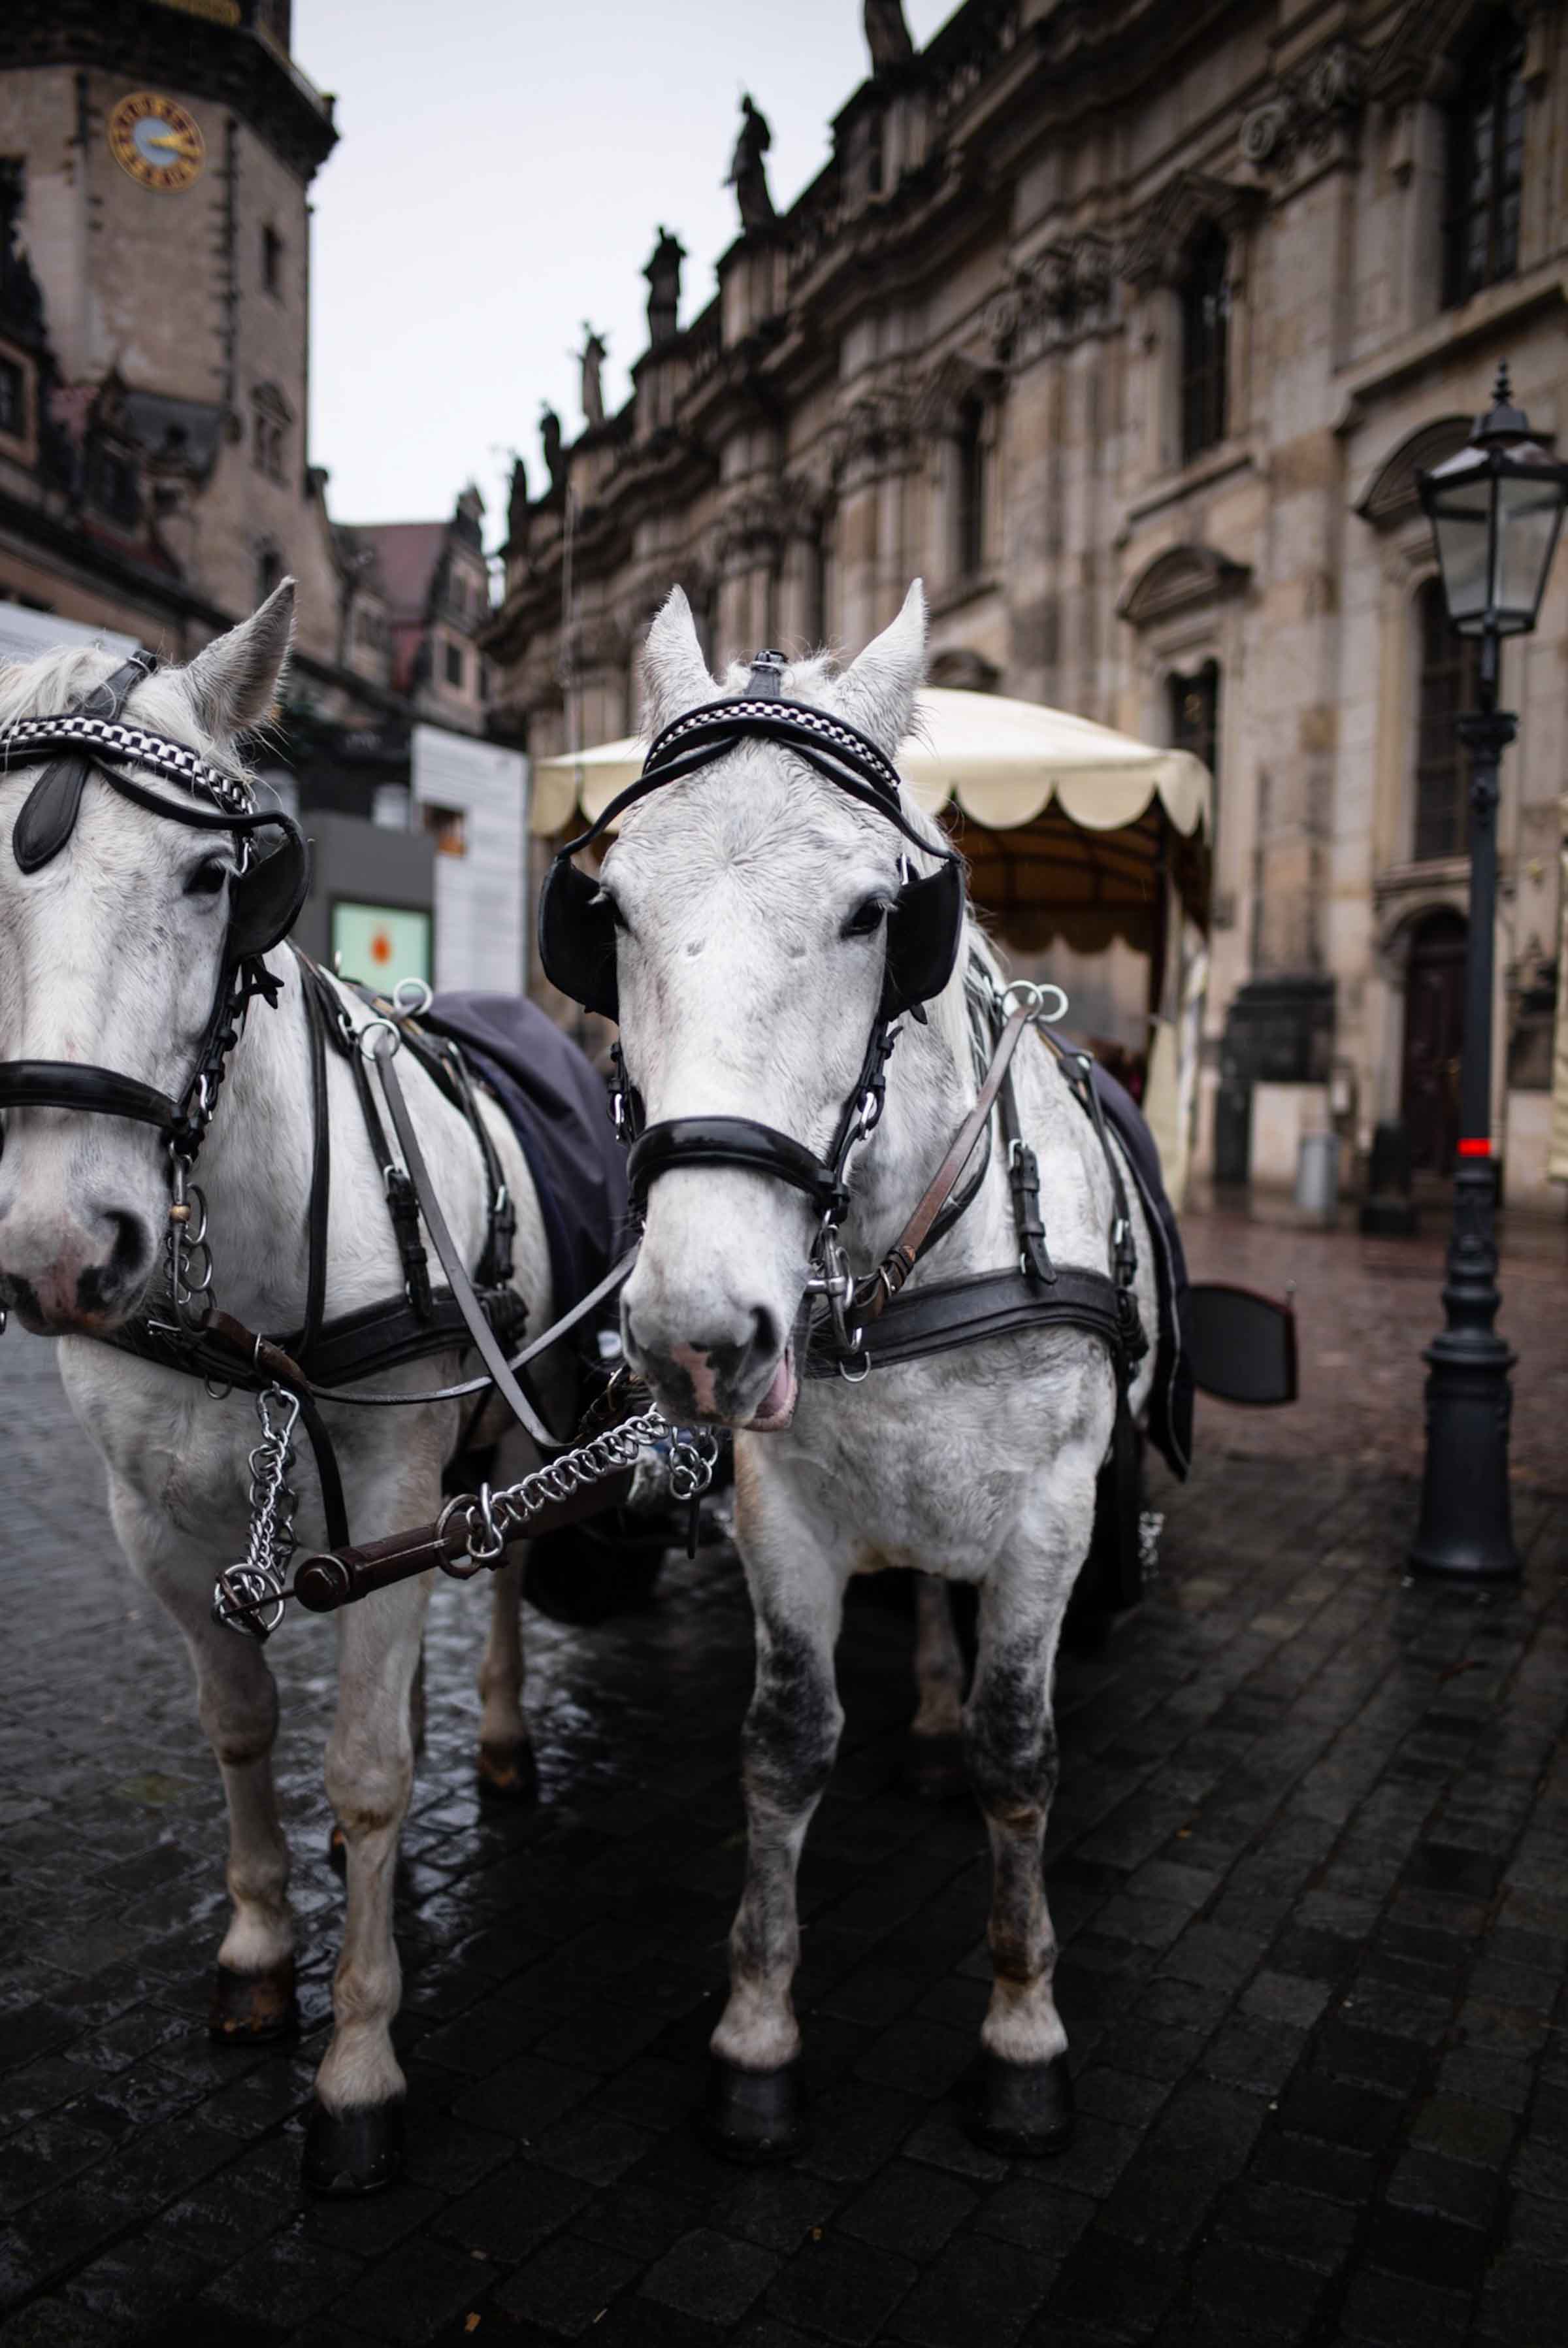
(877,691)
(674,675)
(234,679)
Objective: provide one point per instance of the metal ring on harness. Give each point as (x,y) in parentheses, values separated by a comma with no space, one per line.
(1029,995)
(420,996)
(371,1028)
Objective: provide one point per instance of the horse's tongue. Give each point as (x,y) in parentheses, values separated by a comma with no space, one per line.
(776,1407)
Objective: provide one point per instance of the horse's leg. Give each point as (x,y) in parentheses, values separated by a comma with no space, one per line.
(355,2142)
(1009,1743)
(506,1754)
(787,1748)
(237,1702)
(933,1766)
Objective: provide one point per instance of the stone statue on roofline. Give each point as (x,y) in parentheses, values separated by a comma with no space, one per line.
(663,275)
(748,172)
(591,358)
(550,440)
(886,35)
(518,500)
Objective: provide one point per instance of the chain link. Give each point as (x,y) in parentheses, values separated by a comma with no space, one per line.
(190,1256)
(249,1597)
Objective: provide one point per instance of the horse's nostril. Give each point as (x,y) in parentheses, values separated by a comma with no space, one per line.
(131,1249)
(764,1333)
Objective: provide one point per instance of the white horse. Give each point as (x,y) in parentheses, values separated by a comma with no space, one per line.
(110,955)
(749,902)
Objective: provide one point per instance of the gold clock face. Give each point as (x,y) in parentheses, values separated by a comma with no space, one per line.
(156,140)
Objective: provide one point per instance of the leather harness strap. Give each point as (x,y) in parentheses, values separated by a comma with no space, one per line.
(945,1313)
(457,1271)
(904,1254)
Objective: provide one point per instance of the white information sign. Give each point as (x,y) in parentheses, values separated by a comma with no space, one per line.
(477,796)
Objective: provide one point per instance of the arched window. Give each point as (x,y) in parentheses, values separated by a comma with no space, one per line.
(1445,690)
(971,548)
(268,572)
(1206,339)
(1485,162)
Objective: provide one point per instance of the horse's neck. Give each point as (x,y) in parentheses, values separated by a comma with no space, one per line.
(256,1164)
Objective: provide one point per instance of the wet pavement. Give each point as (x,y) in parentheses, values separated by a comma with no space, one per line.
(1310,1867)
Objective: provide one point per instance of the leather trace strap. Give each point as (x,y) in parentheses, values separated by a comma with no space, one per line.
(383,1049)
(904,1254)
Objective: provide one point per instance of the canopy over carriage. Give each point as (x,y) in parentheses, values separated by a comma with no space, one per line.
(1077,837)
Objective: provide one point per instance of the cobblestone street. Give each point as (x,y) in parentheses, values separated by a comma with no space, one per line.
(1309,1869)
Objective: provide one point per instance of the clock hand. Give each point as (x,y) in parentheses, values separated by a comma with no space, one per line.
(176,140)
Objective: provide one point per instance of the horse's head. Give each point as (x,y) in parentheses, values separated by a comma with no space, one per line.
(111,950)
(752,903)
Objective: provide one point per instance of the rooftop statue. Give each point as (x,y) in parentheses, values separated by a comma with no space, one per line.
(748,172)
(886,35)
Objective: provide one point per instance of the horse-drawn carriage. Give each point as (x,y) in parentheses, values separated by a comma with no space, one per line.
(854,1147)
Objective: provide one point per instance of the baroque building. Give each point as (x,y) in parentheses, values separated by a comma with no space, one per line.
(1128,326)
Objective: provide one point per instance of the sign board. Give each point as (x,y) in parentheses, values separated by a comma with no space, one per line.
(481,883)
(380,943)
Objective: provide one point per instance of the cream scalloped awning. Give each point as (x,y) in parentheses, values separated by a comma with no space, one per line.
(1003,761)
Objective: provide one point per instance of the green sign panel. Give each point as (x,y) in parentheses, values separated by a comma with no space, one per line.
(380,943)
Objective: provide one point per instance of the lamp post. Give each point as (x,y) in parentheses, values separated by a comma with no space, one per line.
(1496,508)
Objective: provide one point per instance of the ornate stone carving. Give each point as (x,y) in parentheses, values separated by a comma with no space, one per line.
(1180,577)
(1392,496)
(1307,111)
(1155,252)
(938,401)
(872,427)
(1064,292)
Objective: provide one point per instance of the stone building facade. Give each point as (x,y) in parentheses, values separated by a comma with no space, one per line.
(1128,326)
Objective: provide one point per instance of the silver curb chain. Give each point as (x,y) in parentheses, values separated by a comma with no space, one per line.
(249,1597)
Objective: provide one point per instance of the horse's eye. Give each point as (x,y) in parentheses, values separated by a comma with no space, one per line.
(866,920)
(208,878)
(611,908)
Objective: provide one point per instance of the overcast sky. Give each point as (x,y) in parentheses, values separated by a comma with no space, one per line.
(500,173)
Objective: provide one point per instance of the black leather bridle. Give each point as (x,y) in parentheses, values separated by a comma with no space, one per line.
(577,943)
(265,897)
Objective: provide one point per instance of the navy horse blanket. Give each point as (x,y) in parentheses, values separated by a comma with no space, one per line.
(559,1108)
(1171,1396)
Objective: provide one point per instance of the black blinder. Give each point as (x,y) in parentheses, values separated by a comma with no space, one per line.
(49,814)
(577,938)
(265,901)
(924,929)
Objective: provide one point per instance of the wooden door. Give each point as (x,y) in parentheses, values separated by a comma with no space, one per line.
(1434,1038)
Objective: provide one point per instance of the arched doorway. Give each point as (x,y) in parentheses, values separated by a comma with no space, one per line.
(1434,1038)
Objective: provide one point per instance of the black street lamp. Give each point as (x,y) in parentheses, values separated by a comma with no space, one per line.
(1495,510)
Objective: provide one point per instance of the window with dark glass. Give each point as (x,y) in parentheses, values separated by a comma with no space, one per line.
(972,489)
(268,572)
(1205,343)
(271,260)
(13,399)
(1485,163)
(1446,689)
(1195,714)
(112,485)
(453,663)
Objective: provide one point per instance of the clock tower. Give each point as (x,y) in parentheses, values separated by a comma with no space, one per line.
(156,159)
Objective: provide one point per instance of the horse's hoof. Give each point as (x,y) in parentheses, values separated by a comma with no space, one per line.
(248,2009)
(1024,2109)
(934,1767)
(355,2151)
(507,1773)
(752,2117)
(337,1852)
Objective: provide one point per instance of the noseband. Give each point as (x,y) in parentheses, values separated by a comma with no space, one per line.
(577,949)
(265,897)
